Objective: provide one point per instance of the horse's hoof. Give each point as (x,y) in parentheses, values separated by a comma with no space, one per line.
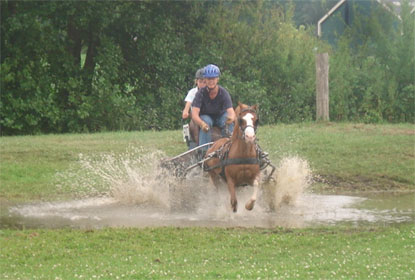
(234,207)
(250,205)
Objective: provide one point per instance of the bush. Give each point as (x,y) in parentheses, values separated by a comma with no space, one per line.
(79,66)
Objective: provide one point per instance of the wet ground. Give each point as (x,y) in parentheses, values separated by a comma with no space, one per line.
(139,194)
(309,210)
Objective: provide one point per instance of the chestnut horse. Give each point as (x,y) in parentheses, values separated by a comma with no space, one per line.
(236,159)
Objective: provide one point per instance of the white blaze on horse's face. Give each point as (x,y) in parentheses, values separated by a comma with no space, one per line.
(249,130)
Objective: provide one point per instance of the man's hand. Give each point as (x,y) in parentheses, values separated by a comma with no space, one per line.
(204,126)
(229,120)
(185,114)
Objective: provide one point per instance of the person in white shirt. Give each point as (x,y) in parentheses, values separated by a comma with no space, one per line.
(200,83)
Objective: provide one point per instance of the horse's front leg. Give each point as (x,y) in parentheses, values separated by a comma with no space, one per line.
(250,204)
(214,180)
(231,188)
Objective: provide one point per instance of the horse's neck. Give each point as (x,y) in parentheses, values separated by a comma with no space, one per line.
(237,133)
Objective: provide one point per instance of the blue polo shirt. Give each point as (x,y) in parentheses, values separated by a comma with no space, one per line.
(213,107)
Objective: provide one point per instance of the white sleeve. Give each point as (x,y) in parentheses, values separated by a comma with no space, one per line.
(191,95)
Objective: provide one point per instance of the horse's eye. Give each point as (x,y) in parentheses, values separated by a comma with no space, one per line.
(240,122)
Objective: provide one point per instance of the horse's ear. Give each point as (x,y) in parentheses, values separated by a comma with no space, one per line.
(255,107)
(239,103)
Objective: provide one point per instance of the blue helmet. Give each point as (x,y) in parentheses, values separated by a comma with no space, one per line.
(211,71)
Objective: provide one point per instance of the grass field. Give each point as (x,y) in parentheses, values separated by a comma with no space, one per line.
(344,158)
(204,253)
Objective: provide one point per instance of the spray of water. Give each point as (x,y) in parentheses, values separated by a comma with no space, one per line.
(136,178)
(132,177)
(292,178)
(130,189)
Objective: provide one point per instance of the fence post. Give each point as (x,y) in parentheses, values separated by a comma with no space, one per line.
(322,87)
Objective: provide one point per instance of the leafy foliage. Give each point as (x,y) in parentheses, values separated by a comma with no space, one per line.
(85,66)
(372,70)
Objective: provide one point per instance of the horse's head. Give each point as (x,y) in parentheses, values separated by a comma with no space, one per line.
(247,119)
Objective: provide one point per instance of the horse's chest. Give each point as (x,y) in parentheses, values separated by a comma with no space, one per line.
(245,174)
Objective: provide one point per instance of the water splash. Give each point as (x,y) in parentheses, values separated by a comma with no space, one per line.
(136,178)
(130,189)
(292,178)
(132,177)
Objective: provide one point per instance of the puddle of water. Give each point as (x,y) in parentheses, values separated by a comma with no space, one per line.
(310,210)
(131,196)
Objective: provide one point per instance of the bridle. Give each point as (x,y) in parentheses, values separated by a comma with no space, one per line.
(240,121)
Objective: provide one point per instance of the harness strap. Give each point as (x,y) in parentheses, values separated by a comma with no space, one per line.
(223,153)
(233,161)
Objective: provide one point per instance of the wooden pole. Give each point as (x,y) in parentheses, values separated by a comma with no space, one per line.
(322,87)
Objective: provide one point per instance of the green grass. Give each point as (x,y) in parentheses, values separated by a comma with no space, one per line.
(203,253)
(345,157)
(349,157)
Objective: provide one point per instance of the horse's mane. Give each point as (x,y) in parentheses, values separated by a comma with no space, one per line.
(241,107)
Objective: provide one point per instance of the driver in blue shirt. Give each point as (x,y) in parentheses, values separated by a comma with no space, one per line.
(212,106)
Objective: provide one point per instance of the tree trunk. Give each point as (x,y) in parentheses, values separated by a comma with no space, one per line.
(75,42)
(322,87)
(91,52)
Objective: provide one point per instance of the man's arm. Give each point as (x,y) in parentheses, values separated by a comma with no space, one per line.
(230,116)
(196,118)
(185,113)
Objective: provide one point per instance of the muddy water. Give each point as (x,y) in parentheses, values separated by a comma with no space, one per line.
(310,210)
(134,197)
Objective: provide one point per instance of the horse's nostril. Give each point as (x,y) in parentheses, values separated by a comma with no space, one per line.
(250,137)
